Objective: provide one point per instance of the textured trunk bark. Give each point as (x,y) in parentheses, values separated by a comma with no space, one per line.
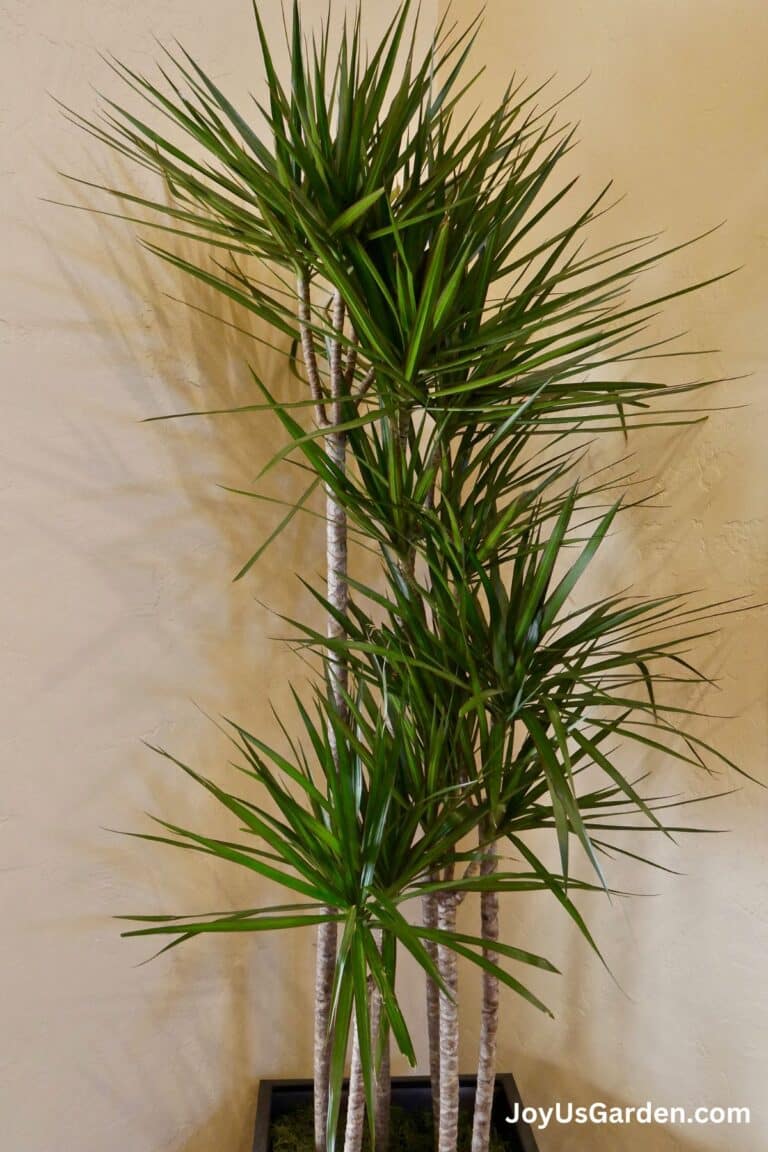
(383,1101)
(337,591)
(336,517)
(486,1065)
(324,968)
(353,1133)
(336,540)
(383,1076)
(429,907)
(449,1030)
(429,915)
(353,1136)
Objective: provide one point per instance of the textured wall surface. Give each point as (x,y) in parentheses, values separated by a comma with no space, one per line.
(674,109)
(117,617)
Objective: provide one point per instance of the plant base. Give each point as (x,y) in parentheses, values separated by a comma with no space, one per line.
(279,1099)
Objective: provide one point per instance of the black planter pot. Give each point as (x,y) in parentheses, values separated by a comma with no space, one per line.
(279,1097)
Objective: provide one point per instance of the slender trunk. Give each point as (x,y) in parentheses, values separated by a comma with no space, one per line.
(336,516)
(383,1075)
(337,589)
(429,915)
(379,1024)
(486,1065)
(324,969)
(308,349)
(449,1029)
(353,1133)
(429,906)
(403,428)
(400,430)
(336,557)
(353,1136)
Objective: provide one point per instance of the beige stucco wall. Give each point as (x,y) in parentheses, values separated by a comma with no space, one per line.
(117,617)
(116,614)
(674,108)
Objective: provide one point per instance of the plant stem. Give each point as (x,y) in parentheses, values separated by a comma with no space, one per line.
(449,1029)
(383,1089)
(353,1133)
(324,968)
(486,1065)
(429,907)
(383,1076)
(353,1136)
(308,349)
(429,915)
(336,517)
(336,562)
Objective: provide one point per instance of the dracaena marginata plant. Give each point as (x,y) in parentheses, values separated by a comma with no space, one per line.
(452,341)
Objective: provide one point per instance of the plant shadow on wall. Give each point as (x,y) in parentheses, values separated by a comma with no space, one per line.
(179,355)
(463,694)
